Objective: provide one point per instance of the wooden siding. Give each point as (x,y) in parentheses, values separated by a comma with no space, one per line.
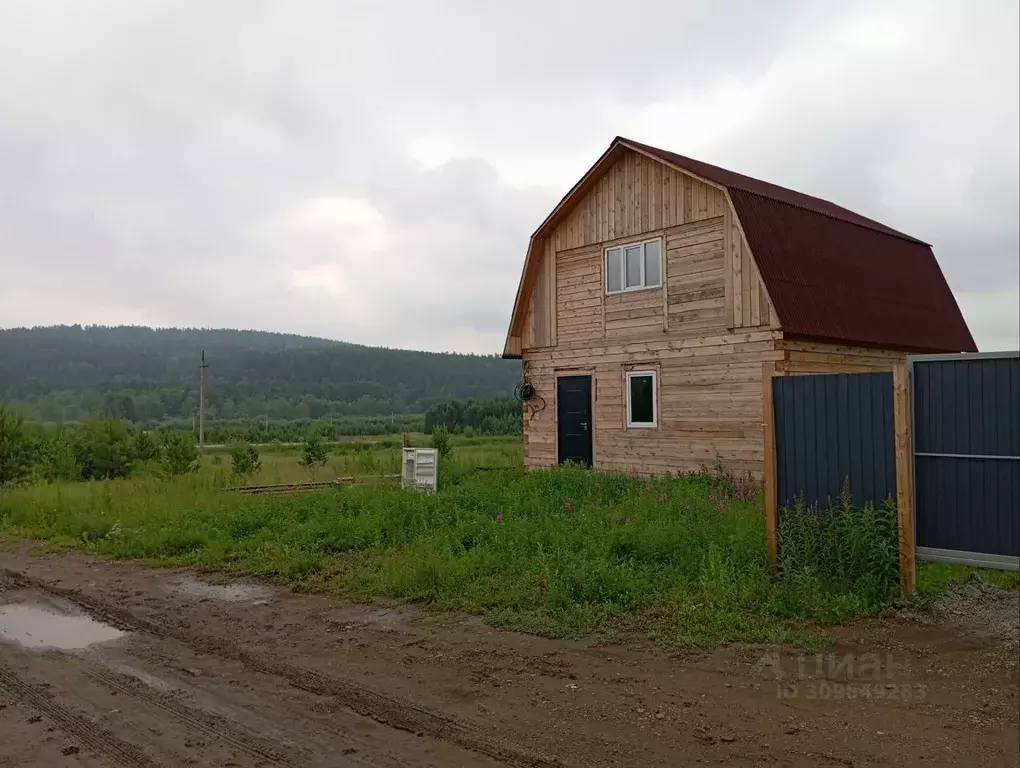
(709,375)
(709,331)
(814,357)
(637,195)
(709,378)
(709,401)
(540,317)
(747,302)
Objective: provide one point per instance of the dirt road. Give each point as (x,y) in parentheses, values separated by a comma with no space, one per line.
(123,665)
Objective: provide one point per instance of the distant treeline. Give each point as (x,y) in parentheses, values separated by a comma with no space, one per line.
(145,375)
(267,431)
(104,447)
(487,416)
(154,407)
(490,416)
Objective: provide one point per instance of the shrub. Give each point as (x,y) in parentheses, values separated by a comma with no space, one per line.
(441,442)
(103,449)
(313,453)
(178,454)
(58,457)
(245,460)
(145,446)
(18,451)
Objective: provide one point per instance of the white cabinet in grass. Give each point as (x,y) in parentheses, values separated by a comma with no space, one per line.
(420,469)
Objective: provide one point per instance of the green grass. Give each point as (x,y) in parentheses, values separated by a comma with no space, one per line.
(364,459)
(561,552)
(933,579)
(679,559)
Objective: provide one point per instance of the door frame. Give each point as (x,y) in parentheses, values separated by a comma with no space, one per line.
(557,373)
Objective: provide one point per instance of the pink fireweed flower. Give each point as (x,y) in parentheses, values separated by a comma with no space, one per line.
(499,518)
(568,507)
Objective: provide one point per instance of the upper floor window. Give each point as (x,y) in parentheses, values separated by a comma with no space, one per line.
(634,266)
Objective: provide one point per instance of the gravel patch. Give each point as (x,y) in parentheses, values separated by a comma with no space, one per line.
(983,608)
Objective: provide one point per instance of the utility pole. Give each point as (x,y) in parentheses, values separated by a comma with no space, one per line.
(201,405)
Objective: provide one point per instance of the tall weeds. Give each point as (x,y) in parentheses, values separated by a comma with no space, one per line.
(845,548)
(563,551)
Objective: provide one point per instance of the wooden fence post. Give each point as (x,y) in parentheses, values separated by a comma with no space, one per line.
(770,484)
(904,478)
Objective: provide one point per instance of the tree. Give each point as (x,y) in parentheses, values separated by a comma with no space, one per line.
(103,449)
(58,457)
(145,447)
(313,453)
(17,449)
(441,442)
(178,454)
(245,460)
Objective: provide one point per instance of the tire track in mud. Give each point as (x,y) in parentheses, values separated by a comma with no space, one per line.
(215,727)
(81,728)
(390,711)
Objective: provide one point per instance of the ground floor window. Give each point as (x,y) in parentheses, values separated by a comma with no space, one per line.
(641,399)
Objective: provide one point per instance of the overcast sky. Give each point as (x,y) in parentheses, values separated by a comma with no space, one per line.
(371,171)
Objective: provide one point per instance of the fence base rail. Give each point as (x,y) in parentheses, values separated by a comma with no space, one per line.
(972,559)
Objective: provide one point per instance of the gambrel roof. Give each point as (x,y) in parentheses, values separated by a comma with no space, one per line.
(831,274)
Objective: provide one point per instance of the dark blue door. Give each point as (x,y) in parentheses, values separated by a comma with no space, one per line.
(573,419)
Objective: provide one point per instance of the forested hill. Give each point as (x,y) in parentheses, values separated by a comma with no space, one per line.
(144,374)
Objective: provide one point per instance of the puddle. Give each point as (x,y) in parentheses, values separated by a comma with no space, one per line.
(150,680)
(41,627)
(235,592)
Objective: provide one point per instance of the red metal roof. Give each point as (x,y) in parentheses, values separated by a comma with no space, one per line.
(835,275)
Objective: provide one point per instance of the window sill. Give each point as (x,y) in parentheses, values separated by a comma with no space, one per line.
(625,291)
(642,426)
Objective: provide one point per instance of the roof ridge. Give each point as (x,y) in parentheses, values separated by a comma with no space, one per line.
(881,230)
(754,186)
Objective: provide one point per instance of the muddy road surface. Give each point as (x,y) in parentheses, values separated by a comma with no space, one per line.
(107,664)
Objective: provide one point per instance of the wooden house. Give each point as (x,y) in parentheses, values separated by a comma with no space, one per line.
(662,293)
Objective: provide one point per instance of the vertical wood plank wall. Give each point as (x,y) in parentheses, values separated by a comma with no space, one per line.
(639,196)
(747,301)
(707,330)
(709,367)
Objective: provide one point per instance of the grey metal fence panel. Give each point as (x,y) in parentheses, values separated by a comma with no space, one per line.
(831,430)
(967,457)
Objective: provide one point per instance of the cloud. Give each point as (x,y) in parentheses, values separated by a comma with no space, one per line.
(371,172)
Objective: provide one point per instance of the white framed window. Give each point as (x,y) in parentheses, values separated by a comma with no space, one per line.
(641,399)
(634,266)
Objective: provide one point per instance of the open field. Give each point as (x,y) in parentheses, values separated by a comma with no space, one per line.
(363,457)
(342,626)
(563,552)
